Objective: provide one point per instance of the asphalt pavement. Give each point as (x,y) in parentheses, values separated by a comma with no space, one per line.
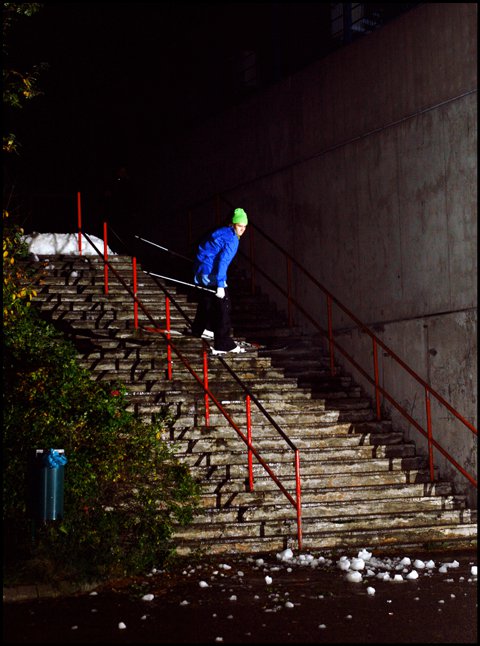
(260,600)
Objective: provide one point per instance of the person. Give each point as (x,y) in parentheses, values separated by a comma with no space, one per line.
(214,255)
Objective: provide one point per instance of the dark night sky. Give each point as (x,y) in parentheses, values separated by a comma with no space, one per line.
(120,75)
(124,77)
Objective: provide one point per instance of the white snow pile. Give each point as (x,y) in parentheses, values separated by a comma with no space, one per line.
(360,568)
(364,566)
(46,244)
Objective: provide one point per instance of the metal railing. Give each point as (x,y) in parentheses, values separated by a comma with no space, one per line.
(334,345)
(373,378)
(203,382)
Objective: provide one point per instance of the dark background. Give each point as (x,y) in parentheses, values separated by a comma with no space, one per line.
(125,79)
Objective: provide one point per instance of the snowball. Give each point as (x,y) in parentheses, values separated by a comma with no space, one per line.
(343,563)
(357,564)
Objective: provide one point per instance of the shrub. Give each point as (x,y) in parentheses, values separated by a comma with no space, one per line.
(124,490)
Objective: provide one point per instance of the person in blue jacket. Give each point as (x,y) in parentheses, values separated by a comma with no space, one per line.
(214,255)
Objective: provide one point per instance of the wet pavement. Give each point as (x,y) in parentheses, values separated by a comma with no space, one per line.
(247,601)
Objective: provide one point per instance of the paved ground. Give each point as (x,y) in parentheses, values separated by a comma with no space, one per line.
(210,603)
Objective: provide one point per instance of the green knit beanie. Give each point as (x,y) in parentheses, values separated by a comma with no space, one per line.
(239,217)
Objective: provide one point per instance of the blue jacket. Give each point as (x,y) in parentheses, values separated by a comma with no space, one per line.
(214,255)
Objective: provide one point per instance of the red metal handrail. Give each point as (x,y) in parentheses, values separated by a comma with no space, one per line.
(205,383)
(249,437)
(250,448)
(334,345)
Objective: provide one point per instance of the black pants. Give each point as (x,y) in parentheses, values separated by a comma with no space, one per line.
(213,314)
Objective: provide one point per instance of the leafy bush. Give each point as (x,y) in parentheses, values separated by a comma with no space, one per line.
(123,488)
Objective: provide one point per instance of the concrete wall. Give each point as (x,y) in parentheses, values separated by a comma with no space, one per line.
(363,167)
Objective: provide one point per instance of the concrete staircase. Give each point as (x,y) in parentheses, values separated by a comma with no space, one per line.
(362,484)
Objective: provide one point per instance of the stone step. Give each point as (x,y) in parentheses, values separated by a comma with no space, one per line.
(367,431)
(237,513)
(226,480)
(225,388)
(267,442)
(363,433)
(383,446)
(312,463)
(439,492)
(149,349)
(76,302)
(287,416)
(416,521)
(88,318)
(309,457)
(236,409)
(154,369)
(389,541)
(190,416)
(126,359)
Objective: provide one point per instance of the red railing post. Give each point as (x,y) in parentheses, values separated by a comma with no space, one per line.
(135,304)
(249,438)
(168,335)
(205,384)
(375,369)
(105,258)
(79,219)
(299,498)
(330,335)
(429,434)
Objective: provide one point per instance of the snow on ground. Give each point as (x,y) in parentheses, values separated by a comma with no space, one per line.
(363,568)
(45,244)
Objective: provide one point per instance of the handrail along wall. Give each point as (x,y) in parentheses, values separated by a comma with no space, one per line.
(333,346)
